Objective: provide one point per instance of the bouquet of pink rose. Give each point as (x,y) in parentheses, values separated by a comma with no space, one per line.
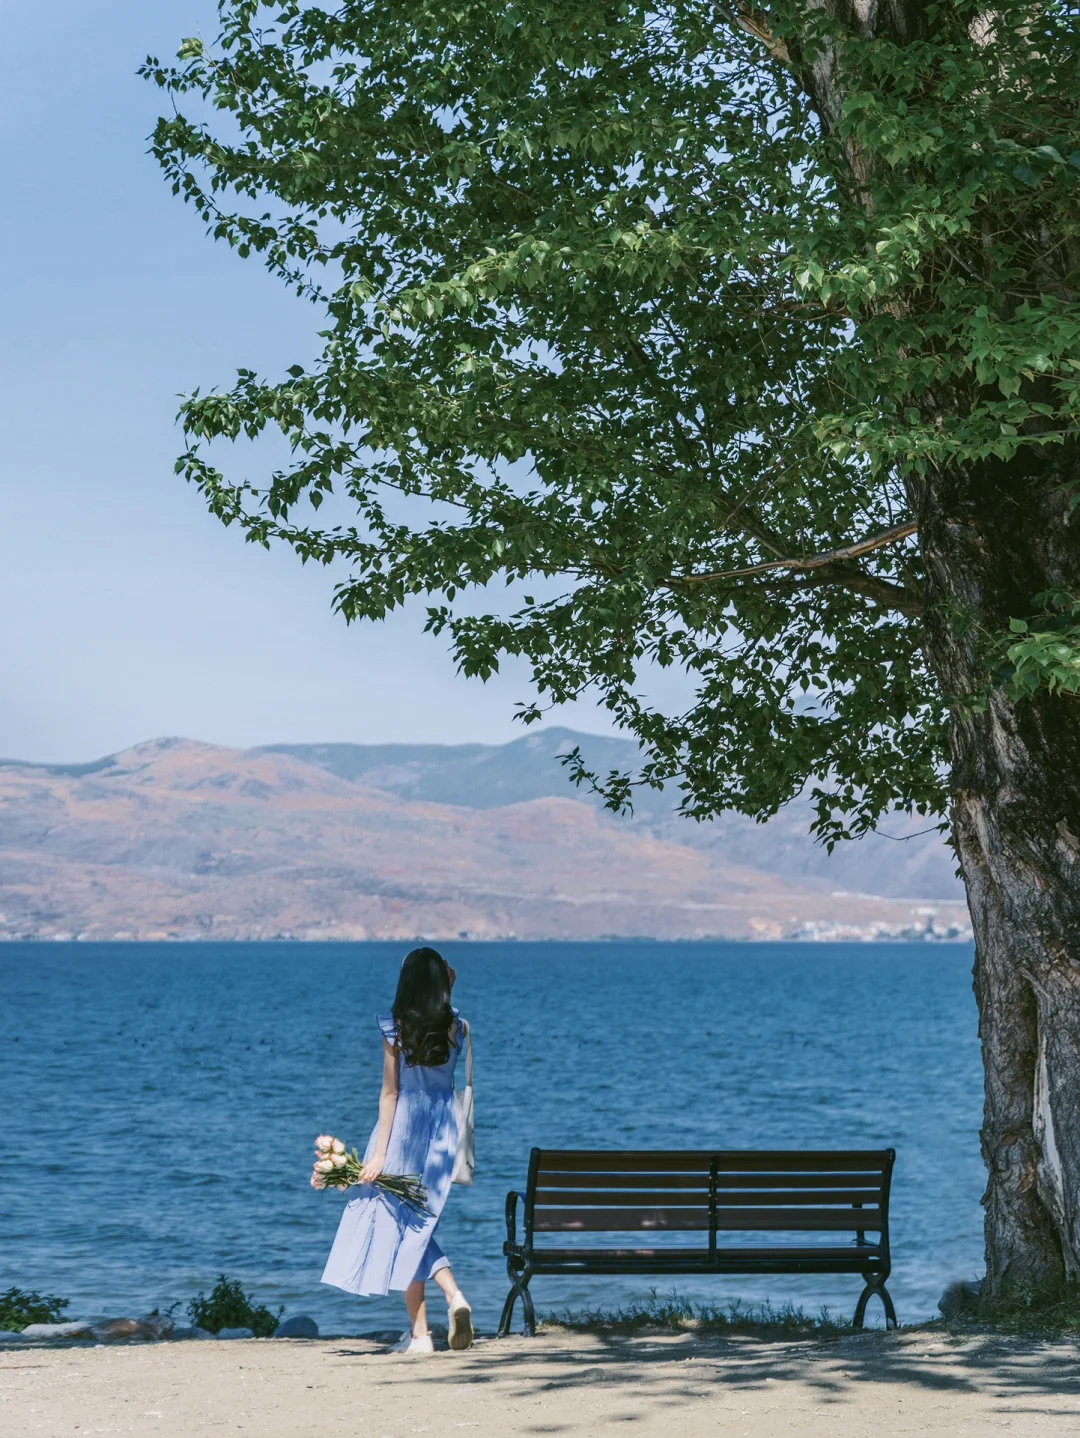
(338,1167)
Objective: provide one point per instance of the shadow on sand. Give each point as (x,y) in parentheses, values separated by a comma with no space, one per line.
(658,1370)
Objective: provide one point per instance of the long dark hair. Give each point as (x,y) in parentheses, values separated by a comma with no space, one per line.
(422,1008)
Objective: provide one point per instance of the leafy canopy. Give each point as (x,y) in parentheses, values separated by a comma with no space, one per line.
(608,314)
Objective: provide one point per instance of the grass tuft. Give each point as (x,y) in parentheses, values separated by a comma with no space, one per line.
(1033,1311)
(673,1314)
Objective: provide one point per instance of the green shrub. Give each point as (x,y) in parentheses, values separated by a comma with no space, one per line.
(229,1307)
(19,1308)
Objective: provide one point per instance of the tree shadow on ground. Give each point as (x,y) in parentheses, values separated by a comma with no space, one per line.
(658,1369)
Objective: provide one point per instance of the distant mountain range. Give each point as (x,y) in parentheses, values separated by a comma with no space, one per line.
(179,839)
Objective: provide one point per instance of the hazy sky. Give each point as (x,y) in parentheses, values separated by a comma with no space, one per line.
(128,612)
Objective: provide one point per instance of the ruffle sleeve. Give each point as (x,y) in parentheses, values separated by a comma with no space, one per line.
(387,1027)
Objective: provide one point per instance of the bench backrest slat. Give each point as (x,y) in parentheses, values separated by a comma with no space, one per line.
(802,1220)
(629,1220)
(696,1198)
(698,1161)
(593,1178)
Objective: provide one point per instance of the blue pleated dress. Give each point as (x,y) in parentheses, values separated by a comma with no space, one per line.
(381,1243)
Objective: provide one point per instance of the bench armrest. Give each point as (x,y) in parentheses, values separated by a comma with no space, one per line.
(511,1218)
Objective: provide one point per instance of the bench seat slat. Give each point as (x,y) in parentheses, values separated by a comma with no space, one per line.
(555,1178)
(734,1160)
(686,1198)
(616,1220)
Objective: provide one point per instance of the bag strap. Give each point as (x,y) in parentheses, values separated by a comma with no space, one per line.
(467,1035)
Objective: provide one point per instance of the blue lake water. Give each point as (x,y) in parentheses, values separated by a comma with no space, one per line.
(159,1103)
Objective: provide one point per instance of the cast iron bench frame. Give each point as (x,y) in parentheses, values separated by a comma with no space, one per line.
(705,1191)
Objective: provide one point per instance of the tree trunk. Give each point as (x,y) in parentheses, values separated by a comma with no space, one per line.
(992,537)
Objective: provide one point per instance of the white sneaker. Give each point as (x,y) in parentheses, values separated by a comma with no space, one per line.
(461,1329)
(407,1343)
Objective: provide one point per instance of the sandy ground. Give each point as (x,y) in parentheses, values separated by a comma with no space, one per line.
(555,1384)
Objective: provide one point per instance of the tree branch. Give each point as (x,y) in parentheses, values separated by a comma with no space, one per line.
(851,577)
(811,561)
(752,22)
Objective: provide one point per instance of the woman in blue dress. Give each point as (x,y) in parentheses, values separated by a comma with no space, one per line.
(381,1243)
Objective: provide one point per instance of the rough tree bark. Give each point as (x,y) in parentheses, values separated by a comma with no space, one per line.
(993,537)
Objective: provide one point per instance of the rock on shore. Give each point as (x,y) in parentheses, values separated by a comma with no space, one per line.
(154,1327)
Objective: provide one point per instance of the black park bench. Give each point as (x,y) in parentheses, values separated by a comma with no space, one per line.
(737,1204)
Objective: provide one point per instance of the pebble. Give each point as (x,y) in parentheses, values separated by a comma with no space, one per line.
(149,1328)
(960,1300)
(57,1330)
(162,1324)
(121,1330)
(299,1326)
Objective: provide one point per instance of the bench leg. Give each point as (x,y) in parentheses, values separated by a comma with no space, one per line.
(507,1313)
(527,1312)
(519,1271)
(874,1285)
(519,1290)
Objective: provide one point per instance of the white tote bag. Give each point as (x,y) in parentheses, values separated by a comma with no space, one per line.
(465,1162)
